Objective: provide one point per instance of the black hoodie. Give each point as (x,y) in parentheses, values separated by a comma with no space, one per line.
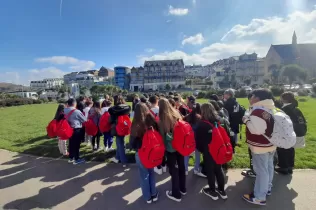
(298,119)
(118,110)
(230,105)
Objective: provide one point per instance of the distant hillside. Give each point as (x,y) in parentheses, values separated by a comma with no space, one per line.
(7,87)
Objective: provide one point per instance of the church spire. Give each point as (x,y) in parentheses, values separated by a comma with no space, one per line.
(294,38)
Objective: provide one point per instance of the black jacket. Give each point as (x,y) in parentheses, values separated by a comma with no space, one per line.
(118,110)
(298,119)
(135,143)
(203,136)
(230,105)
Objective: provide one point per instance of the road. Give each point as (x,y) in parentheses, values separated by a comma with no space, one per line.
(28,182)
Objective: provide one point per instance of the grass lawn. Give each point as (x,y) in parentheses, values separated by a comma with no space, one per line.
(23,129)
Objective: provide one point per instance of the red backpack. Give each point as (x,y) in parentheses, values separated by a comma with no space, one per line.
(104,123)
(123,125)
(63,130)
(183,138)
(91,127)
(51,129)
(220,147)
(153,149)
(155,115)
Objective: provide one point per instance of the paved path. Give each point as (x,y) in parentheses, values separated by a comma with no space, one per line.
(32,182)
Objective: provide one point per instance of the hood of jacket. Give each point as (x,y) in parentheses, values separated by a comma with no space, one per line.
(121,109)
(268,104)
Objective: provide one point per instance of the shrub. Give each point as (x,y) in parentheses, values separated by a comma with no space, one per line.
(241,93)
(201,94)
(37,101)
(302,99)
(185,95)
(277,90)
(50,99)
(314,89)
(302,92)
(44,100)
(62,101)
(16,101)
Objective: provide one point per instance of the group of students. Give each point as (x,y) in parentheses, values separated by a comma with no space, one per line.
(161,113)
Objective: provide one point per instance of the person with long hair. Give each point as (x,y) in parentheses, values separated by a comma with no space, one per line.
(108,138)
(120,108)
(168,116)
(88,105)
(286,157)
(203,137)
(62,144)
(142,121)
(95,115)
(193,118)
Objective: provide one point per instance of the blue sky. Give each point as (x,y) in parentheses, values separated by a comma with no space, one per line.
(44,38)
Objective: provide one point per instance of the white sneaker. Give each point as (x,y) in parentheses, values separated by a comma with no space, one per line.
(110,149)
(198,173)
(106,149)
(158,171)
(164,169)
(114,160)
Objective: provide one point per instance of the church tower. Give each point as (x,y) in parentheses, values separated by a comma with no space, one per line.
(294,39)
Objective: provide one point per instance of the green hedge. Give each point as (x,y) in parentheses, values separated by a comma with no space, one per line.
(18,102)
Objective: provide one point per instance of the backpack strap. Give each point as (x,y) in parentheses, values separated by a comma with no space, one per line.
(70,113)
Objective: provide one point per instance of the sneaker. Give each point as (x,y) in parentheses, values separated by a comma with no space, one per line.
(251,199)
(114,160)
(149,201)
(248,173)
(164,169)
(209,193)
(171,197)
(110,149)
(71,160)
(79,161)
(269,193)
(198,173)
(106,149)
(155,197)
(222,194)
(158,171)
(283,171)
(186,173)
(183,193)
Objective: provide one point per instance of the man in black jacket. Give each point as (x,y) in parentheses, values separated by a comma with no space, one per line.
(232,106)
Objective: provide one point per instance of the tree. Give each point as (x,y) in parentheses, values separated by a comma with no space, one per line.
(293,72)
(168,87)
(247,81)
(275,71)
(188,82)
(95,90)
(312,81)
(82,90)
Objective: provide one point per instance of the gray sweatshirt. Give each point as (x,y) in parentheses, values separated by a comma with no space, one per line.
(76,118)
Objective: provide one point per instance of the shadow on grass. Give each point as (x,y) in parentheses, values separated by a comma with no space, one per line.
(32,141)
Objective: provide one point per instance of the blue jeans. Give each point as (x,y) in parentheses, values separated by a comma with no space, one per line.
(263,166)
(186,162)
(108,140)
(147,179)
(120,149)
(197,160)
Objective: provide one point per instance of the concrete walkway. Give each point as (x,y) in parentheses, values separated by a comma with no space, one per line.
(32,182)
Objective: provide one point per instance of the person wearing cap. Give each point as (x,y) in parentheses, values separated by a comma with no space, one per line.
(232,106)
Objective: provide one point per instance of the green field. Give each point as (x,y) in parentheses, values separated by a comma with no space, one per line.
(23,129)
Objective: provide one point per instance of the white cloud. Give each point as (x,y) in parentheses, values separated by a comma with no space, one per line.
(197,39)
(149,50)
(178,11)
(74,63)
(276,28)
(49,72)
(256,36)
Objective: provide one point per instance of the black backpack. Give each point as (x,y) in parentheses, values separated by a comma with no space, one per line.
(239,112)
(299,123)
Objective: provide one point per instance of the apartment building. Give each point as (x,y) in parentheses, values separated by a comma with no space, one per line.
(122,77)
(137,79)
(46,84)
(157,74)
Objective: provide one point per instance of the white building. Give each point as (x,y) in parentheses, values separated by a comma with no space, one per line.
(46,84)
(195,71)
(49,94)
(157,74)
(137,79)
(25,94)
(70,77)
